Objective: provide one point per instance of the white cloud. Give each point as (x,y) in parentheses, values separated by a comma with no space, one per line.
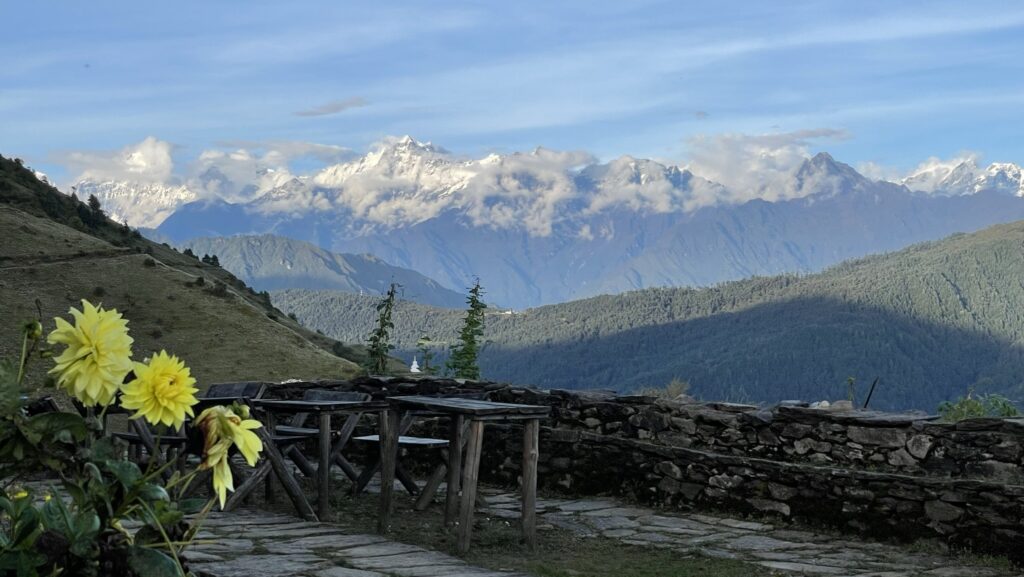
(146,162)
(333,107)
(755,165)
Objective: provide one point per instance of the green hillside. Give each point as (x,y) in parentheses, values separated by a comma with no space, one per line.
(930,321)
(202,313)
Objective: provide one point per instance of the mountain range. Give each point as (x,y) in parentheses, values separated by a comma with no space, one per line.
(547,226)
(930,322)
(268,262)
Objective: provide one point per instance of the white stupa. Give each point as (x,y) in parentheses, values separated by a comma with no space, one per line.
(414,367)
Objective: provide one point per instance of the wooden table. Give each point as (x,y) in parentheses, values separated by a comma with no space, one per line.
(328,452)
(476,414)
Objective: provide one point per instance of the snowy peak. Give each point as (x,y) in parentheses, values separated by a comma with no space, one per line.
(139,204)
(962,176)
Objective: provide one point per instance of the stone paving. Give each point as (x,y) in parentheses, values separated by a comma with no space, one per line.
(248,543)
(784,550)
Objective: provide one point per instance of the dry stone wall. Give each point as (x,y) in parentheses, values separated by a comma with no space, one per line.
(899,475)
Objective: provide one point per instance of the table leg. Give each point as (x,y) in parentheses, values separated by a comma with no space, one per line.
(531,442)
(323,473)
(451,499)
(389,432)
(470,474)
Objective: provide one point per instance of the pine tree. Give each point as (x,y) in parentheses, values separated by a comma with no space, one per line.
(379,343)
(462,363)
(425,346)
(96,215)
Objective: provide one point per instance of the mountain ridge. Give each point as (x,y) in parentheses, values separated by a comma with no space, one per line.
(932,321)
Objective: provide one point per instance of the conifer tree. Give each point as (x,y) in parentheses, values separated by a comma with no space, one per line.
(379,343)
(462,363)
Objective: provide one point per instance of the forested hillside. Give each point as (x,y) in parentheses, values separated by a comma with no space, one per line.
(929,321)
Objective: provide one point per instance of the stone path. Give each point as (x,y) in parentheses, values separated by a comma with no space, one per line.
(247,543)
(786,551)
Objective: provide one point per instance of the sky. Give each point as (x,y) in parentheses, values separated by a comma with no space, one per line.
(880,85)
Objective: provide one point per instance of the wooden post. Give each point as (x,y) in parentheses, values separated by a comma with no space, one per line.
(323,472)
(451,499)
(268,489)
(531,442)
(288,482)
(470,474)
(389,431)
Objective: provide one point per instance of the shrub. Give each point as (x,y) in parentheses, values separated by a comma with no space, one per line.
(971,407)
(670,392)
(99,292)
(149,262)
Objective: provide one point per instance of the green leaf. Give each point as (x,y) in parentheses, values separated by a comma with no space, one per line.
(152,492)
(152,563)
(52,423)
(191,506)
(126,472)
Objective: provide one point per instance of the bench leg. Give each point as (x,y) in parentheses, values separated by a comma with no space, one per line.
(470,474)
(261,473)
(531,441)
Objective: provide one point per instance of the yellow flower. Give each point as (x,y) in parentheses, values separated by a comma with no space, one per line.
(223,427)
(20,494)
(162,391)
(98,354)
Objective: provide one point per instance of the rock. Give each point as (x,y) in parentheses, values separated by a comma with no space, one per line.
(685,425)
(690,490)
(669,469)
(592,422)
(781,492)
(806,445)
(919,445)
(725,481)
(995,471)
(942,511)
(796,430)
(843,405)
(901,458)
(668,485)
(770,506)
(882,437)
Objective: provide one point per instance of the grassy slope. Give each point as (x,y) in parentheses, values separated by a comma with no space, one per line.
(930,320)
(232,337)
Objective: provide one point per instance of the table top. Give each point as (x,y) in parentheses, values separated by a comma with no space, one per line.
(471,407)
(296,406)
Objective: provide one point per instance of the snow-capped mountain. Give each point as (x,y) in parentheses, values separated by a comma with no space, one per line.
(546,226)
(964,176)
(139,204)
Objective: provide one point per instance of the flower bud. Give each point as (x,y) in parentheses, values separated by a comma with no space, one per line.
(34,330)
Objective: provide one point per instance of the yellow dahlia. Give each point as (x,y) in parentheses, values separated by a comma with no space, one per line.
(98,354)
(223,427)
(162,392)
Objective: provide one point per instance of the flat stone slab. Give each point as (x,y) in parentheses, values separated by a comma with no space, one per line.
(346,572)
(249,565)
(385,549)
(803,568)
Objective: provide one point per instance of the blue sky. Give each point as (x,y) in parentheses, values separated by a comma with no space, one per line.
(889,83)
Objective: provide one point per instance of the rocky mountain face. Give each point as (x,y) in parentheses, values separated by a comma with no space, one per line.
(268,262)
(548,226)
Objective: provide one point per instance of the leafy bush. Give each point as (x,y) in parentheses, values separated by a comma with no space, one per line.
(970,407)
(78,526)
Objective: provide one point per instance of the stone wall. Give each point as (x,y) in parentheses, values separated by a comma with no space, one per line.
(898,475)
